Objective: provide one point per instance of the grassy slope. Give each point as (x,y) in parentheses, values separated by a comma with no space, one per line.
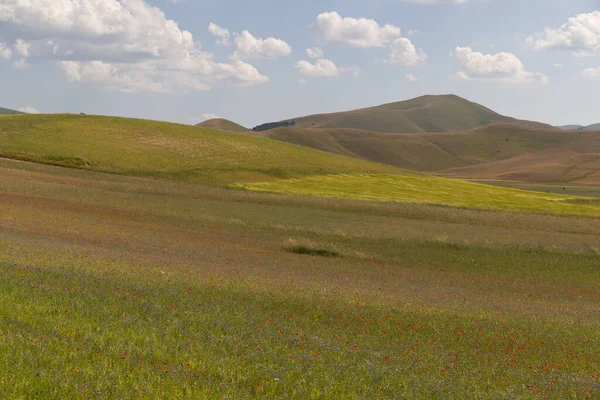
(126,287)
(430,190)
(223,125)
(438,151)
(446,113)
(140,147)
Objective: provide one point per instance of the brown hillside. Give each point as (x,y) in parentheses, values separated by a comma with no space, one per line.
(446,113)
(439,151)
(223,125)
(555,165)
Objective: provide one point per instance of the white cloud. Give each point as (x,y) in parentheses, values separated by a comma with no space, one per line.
(21,64)
(249,47)
(354,71)
(411,77)
(22,47)
(124,45)
(315,52)
(361,32)
(5,52)
(414,32)
(505,67)
(320,69)
(28,110)
(580,33)
(591,73)
(557,65)
(208,116)
(221,34)
(406,54)
(302,82)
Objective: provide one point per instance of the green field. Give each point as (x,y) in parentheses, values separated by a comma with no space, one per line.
(129,287)
(141,273)
(423,189)
(160,149)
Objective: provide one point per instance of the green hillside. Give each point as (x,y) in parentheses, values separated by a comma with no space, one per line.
(4,111)
(447,113)
(159,149)
(223,125)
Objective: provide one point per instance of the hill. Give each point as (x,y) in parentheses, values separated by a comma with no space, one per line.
(223,125)
(160,149)
(438,151)
(4,111)
(594,127)
(555,165)
(446,113)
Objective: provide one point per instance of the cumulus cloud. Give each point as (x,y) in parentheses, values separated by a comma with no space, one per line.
(354,71)
(5,52)
(315,52)
(28,110)
(406,54)
(321,68)
(580,33)
(208,116)
(591,73)
(505,67)
(330,27)
(120,45)
(411,77)
(249,47)
(221,34)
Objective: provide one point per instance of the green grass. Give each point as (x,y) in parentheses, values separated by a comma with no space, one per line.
(127,287)
(158,149)
(430,190)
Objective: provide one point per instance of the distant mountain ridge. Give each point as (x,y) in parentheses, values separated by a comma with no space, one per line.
(594,127)
(9,111)
(443,113)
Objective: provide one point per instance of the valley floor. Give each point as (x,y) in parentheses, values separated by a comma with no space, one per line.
(121,287)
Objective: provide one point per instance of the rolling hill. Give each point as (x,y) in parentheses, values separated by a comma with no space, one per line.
(554,165)
(223,125)
(4,111)
(160,149)
(438,151)
(446,113)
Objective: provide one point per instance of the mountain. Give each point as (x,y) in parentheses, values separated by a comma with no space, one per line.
(159,149)
(595,127)
(446,113)
(437,151)
(7,111)
(223,125)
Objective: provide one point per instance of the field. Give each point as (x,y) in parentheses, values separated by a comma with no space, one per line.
(422,189)
(131,287)
(164,150)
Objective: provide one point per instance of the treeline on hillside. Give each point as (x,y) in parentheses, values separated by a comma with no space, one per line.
(273,125)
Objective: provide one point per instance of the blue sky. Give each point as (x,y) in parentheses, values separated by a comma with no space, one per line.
(157,59)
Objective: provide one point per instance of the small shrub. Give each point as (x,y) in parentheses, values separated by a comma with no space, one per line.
(311,251)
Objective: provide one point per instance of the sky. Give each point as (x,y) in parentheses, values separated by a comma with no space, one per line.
(266,60)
